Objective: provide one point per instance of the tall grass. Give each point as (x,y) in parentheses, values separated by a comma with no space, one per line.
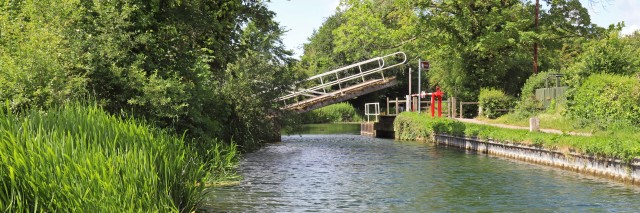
(78,158)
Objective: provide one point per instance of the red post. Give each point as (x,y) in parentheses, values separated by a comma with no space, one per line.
(436,96)
(432,105)
(440,106)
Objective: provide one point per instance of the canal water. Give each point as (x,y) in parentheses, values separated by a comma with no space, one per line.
(345,172)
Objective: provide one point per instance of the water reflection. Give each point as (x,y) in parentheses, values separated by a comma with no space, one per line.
(354,174)
(337,128)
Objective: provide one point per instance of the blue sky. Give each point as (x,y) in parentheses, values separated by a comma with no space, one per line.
(301,17)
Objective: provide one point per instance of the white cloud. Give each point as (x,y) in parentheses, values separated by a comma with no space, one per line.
(629,11)
(628,30)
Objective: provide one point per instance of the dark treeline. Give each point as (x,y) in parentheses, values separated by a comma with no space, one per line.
(193,66)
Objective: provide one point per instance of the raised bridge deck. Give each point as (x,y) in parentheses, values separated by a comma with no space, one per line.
(327,88)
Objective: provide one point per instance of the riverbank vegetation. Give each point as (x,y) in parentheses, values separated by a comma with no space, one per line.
(81,158)
(335,113)
(187,81)
(207,68)
(621,144)
(476,46)
(180,86)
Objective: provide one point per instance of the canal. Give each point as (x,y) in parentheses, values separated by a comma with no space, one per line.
(334,170)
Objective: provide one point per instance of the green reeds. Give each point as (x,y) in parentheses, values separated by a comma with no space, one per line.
(78,158)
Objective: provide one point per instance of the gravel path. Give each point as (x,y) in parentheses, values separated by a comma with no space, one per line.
(552,131)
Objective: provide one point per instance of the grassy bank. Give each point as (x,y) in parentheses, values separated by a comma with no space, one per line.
(550,119)
(79,158)
(623,144)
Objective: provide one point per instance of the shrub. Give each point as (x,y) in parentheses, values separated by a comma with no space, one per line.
(605,99)
(492,100)
(340,112)
(421,126)
(528,104)
(612,54)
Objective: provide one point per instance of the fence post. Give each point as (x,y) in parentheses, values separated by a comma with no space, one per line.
(453,107)
(387,105)
(397,108)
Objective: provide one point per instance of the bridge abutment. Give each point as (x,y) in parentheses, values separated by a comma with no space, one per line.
(381,129)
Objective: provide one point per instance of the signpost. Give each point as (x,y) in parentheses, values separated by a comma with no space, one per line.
(421,65)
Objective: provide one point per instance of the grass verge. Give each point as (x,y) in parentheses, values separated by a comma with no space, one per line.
(79,158)
(551,119)
(622,144)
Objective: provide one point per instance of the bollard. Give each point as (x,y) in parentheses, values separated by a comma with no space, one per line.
(534,124)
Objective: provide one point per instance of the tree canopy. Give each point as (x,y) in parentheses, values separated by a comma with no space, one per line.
(471,44)
(180,64)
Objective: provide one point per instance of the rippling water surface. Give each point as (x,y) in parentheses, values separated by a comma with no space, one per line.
(351,173)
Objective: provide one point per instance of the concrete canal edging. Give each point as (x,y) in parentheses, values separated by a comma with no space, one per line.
(610,168)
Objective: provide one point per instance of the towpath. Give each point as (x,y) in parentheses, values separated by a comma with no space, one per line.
(552,131)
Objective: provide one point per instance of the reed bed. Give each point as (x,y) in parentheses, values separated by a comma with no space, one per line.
(79,158)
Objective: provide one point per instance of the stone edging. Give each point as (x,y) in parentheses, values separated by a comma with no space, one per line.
(610,168)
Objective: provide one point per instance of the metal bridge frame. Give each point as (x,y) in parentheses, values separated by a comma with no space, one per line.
(320,89)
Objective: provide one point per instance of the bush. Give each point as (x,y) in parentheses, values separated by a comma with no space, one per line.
(606,99)
(420,126)
(340,112)
(613,54)
(492,100)
(528,104)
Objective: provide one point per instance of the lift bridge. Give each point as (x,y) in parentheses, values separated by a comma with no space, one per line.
(343,83)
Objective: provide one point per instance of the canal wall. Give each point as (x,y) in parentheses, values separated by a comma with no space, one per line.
(383,128)
(604,167)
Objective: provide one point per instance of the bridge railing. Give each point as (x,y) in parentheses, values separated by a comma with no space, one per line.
(334,81)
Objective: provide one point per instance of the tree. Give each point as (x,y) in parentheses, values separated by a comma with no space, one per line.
(170,61)
(35,56)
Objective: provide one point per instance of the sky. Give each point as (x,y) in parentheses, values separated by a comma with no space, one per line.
(302,17)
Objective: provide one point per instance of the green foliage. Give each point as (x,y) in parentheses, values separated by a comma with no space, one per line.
(35,57)
(492,101)
(612,54)
(174,63)
(604,100)
(340,112)
(416,126)
(471,44)
(362,30)
(623,144)
(485,44)
(250,115)
(318,54)
(78,158)
(528,104)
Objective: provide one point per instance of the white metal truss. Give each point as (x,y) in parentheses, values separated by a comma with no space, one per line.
(321,82)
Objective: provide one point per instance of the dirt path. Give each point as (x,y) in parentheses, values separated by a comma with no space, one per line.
(552,131)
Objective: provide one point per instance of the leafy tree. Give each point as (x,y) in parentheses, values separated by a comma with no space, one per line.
(179,64)
(318,54)
(471,44)
(34,54)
